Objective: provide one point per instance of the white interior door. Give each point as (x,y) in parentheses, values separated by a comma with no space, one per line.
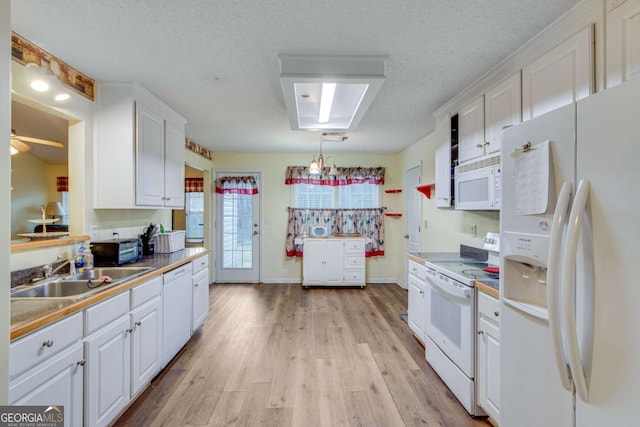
(414,214)
(414,209)
(238,235)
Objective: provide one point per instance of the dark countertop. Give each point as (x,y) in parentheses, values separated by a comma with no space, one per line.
(30,314)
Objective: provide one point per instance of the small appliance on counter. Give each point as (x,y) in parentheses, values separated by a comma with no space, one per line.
(114,252)
(318,230)
(148,239)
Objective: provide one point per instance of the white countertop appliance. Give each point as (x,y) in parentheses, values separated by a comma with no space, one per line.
(451,323)
(569,265)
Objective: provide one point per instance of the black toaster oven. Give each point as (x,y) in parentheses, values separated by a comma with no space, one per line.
(109,253)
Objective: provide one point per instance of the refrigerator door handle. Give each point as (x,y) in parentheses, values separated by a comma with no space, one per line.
(568,298)
(553,282)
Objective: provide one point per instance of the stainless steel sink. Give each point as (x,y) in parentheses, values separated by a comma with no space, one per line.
(81,284)
(116,273)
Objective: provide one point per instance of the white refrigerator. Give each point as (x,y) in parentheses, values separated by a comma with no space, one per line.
(570,265)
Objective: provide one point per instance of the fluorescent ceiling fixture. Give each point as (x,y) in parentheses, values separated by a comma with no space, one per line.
(326,101)
(357,80)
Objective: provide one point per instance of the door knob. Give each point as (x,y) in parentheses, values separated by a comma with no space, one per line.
(255,233)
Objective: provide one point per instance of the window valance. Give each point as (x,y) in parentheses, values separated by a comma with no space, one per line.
(237,185)
(62,183)
(194,185)
(345,176)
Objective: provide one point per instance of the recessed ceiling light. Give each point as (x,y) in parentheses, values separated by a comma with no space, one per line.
(63,96)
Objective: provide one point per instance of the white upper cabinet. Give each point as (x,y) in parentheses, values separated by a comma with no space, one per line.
(623,41)
(443,162)
(471,126)
(560,77)
(139,150)
(502,108)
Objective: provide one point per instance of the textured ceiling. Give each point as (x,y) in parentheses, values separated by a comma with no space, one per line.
(215,62)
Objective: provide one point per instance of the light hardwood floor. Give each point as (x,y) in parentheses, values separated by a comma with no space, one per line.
(280,355)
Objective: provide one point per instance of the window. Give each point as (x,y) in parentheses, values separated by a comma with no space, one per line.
(65,206)
(351,196)
(194,211)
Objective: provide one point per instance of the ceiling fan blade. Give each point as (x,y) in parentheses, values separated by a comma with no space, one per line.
(39,141)
(19,145)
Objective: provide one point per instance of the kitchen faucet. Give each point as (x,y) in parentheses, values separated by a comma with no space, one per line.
(48,272)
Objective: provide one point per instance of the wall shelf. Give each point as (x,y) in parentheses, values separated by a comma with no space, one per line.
(425,189)
(393,190)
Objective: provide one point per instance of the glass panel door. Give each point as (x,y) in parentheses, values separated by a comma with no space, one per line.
(237,233)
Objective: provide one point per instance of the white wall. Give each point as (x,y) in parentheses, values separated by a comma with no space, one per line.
(5,193)
(276,267)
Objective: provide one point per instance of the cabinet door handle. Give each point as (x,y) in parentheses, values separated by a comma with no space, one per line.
(406,236)
(496,313)
(138,323)
(195,285)
(81,362)
(480,332)
(487,143)
(48,343)
(479,145)
(128,331)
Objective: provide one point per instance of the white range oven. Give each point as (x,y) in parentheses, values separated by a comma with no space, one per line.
(451,324)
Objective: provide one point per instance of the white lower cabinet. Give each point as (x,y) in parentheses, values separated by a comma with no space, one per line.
(47,368)
(146,344)
(123,350)
(488,348)
(322,262)
(333,262)
(55,381)
(416,306)
(108,354)
(200,294)
(200,301)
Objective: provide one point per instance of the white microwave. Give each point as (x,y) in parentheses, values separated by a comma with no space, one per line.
(477,188)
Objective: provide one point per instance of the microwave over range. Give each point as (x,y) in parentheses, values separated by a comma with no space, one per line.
(477,185)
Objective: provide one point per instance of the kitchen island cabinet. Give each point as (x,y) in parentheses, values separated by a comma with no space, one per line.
(333,261)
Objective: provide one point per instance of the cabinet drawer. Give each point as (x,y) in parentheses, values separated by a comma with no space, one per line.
(354,245)
(356,276)
(489,307)
(146,291)
(40,345)
(105,312)
(200,263)
(353,261)
(418,270)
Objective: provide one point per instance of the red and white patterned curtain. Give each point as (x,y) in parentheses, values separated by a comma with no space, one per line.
(369,223)
(345,176)
(194,185)
(237,185)
(62,183)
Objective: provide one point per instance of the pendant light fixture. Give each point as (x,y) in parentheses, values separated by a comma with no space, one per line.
(316,165)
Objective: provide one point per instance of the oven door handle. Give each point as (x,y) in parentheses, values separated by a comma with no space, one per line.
(453,291)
